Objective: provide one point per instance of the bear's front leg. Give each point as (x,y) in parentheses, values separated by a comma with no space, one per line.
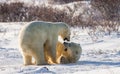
(63,60)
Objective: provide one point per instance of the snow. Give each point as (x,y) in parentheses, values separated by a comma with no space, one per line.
(100,57)
(101,71)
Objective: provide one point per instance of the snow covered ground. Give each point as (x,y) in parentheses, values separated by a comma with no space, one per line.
(101,57)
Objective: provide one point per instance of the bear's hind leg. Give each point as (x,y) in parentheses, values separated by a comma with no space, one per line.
(39,57)
(27,60)
(53,51)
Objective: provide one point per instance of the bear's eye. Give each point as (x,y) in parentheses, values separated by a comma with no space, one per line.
(65,49)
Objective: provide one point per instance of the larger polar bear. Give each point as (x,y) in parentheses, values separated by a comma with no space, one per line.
(37,37)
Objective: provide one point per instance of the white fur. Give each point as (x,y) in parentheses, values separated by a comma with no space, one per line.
(36,41)
(60,39)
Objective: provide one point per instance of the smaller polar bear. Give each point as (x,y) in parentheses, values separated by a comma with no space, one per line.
(39,38)
(68,52)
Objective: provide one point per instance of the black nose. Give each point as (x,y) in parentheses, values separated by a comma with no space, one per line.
(66,39)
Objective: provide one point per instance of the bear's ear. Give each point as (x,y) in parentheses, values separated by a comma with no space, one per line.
(66,44)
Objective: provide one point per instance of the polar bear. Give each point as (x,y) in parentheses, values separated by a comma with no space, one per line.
(37,37)
(70,53)
(66,53)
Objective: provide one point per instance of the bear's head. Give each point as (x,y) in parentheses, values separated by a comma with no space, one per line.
(64,32)
(68,52)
